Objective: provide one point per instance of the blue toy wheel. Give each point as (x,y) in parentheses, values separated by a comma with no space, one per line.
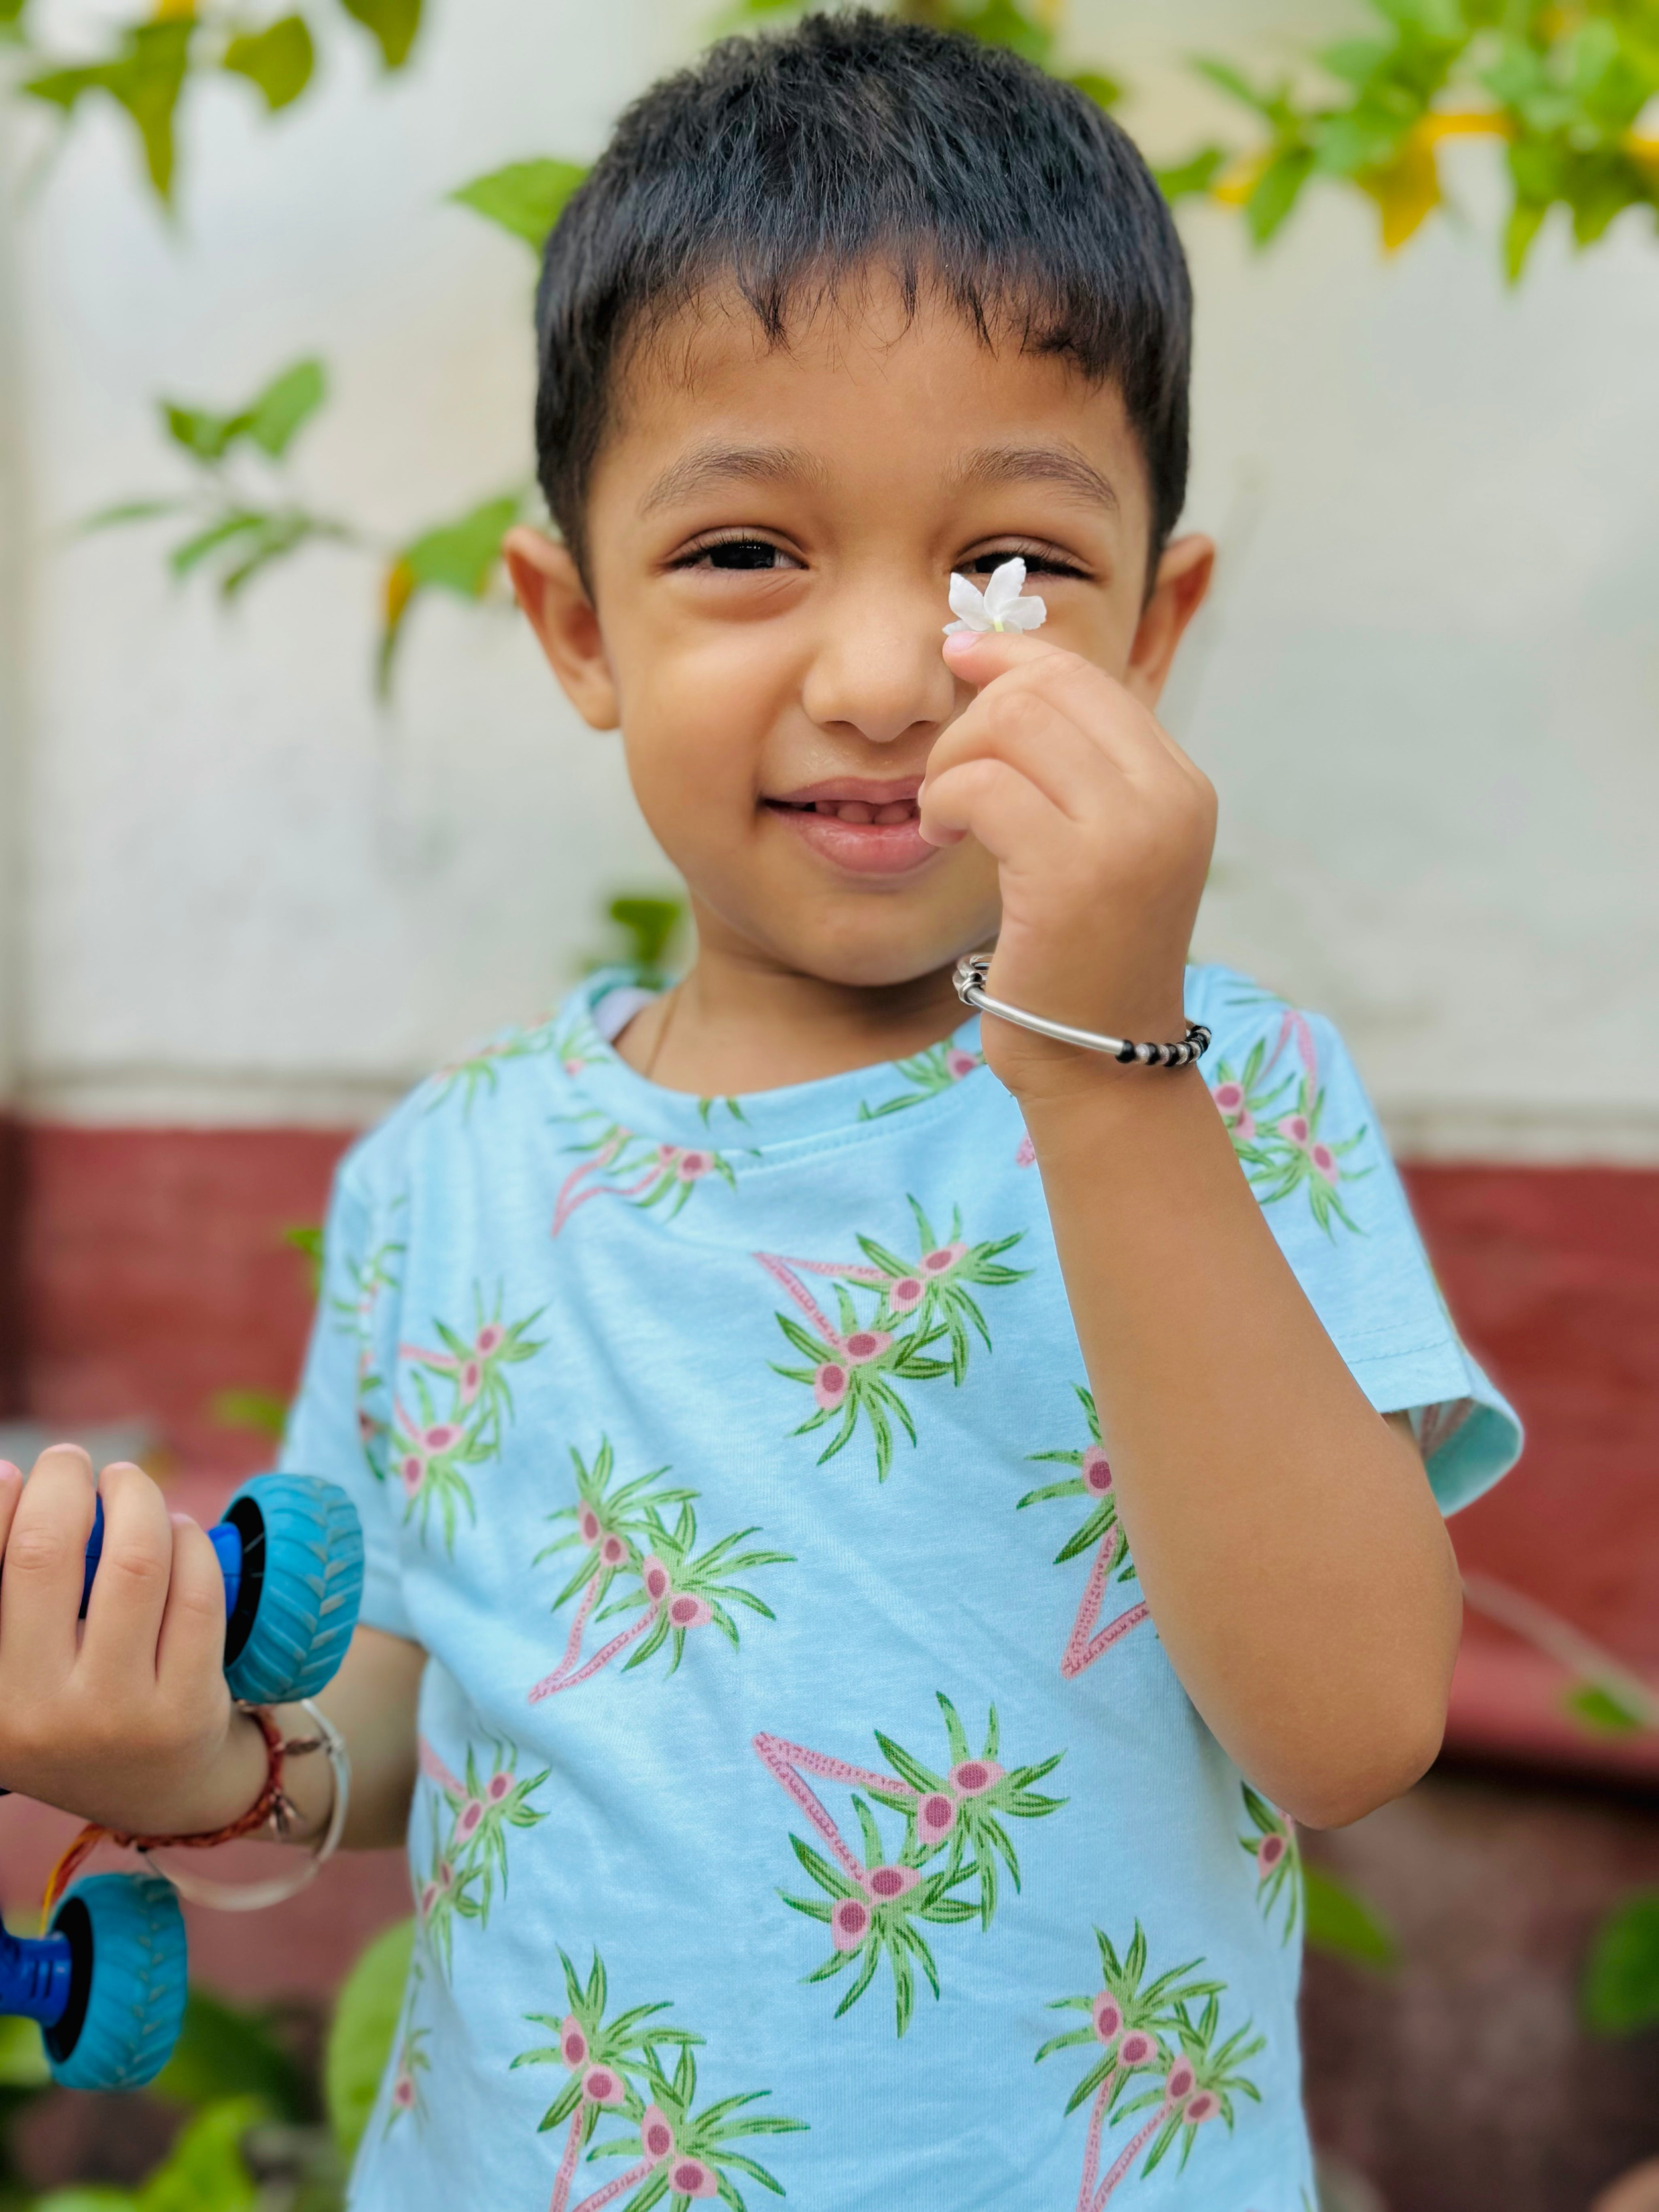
(301,1584)
(126,1938)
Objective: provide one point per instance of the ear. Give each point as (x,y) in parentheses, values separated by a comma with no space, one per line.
(1178,592)
(548,586)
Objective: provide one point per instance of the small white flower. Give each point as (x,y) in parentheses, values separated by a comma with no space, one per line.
(999,606)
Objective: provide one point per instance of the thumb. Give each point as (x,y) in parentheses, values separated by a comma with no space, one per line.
(980,656)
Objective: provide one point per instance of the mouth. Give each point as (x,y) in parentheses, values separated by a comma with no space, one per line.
(863,825)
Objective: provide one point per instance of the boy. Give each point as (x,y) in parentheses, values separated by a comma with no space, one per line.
(888,1528)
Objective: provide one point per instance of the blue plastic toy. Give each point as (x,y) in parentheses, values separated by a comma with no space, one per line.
(106,1980)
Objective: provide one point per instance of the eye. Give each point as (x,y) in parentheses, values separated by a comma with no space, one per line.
(738,555)
(1040,561)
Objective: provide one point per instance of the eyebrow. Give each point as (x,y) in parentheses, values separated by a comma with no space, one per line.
(1063,466)
(710,465)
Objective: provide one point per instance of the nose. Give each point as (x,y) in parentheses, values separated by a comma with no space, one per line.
(877,671)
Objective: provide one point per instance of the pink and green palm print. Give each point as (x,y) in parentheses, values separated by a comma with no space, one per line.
(619,2075)
(619,1163)
(369,1281)
(928,1075)
(1274,1110)
(920,1326)
(470,1821)
(451,1411)
(1149,2051)
(1272,1844)
(670,1588)
(1098,1533)
(943,1870)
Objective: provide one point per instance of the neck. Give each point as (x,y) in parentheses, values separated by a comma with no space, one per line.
(741,1021)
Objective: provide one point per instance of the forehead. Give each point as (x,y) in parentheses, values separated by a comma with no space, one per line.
(862,394)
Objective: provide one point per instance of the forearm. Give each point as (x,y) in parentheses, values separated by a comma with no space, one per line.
(1288,1544)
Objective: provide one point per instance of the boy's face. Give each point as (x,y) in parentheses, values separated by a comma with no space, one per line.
(771,531)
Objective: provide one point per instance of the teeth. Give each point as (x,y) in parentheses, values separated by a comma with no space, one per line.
(862,812)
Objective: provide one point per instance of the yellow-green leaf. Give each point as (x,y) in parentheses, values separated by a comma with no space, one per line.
(144,77)
(287,401)
(22,2055)
(279,60)
(205,2171)
(1338,1921)
(1620,1993)
(365,2026)
(526,197)
(1602,1709)
(393,24)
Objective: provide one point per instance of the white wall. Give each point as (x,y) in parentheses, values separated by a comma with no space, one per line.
(1429,691)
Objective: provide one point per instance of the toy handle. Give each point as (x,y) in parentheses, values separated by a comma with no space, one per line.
(224,1536)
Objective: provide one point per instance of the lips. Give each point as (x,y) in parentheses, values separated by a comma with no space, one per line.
(863,825)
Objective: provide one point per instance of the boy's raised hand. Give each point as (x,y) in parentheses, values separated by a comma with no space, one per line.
(1102,829)
(128,1720)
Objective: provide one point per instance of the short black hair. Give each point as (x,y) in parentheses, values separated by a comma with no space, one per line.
(786,164)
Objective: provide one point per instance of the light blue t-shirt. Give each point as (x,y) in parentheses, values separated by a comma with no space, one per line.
(807,1802)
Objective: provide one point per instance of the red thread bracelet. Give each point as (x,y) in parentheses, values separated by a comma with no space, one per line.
(270,1802)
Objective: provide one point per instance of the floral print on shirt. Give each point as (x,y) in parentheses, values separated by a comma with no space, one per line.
(674,1589)
(944,1872)
(1274,1110)
(1150,2051)
(619,2071)
(432,1445)
(1098,1531)
(920,1307)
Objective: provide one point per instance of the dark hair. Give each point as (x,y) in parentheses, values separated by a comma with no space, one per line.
(786,164)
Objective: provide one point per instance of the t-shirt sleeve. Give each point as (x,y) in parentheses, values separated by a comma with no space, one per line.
(340,1424)
(1307,1138)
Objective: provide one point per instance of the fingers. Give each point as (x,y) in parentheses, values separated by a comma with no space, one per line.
(46,1567)
(995,802)
(1023,729)
(190,1654)
(129,1595)
(11,1489)
(1117,725)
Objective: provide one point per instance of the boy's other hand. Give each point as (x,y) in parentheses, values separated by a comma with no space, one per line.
(126,1720)
(1102,829)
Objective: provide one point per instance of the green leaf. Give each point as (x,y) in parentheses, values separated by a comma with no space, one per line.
(194,550)
(22,2055)
(205,2172)
(1342,1925)
(364,2029)
(1620,1992)
(461,556)
(223,2052)
(1526,221)
(1187,179)
(1603,1712)
(130,510)
(204,436)
(264,1413)
(279,59)
(526,197)
(393,24)
(144,77)
(649,923)
(1104,91)
(86,2200)
(286,402)
(1276,192)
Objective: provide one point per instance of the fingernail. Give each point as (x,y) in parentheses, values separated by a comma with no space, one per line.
(963,641)
(184,1520)
(7,1468)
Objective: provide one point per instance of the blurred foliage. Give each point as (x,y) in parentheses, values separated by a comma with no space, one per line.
(1605,1711)
(1340,1922)
(1620,1993)
(1564,87)
(146,66)
(263,2135)
(365,2022)
(646,924)
(236,528)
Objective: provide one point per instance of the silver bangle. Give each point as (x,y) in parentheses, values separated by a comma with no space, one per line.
(255,1896)
(971,974)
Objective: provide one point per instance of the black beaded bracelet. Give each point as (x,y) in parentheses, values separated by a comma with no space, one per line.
(971,974)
